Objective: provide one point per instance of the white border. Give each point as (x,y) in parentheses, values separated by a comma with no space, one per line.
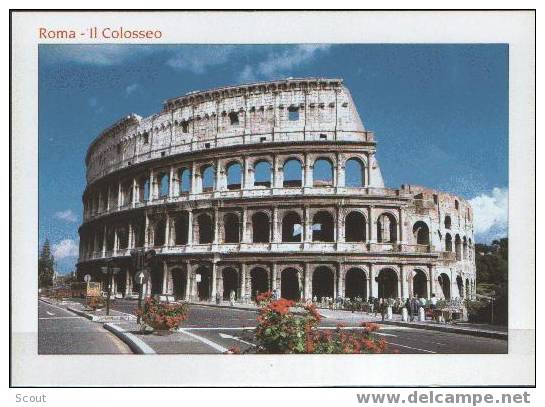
(516,368)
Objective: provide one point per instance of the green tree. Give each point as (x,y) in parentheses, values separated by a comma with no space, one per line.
(46,266)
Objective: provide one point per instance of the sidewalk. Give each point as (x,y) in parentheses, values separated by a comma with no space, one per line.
(95,316)
(483,330)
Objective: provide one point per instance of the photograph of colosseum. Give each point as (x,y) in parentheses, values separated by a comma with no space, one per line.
(265,190)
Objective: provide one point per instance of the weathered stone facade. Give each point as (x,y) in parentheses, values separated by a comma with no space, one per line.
(262,186)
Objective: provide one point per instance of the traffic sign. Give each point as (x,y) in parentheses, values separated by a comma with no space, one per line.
(141,276)
(87,278)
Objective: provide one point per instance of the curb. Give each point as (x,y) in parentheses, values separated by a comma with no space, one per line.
(97,318)
(225,306)
(465,331)
(136,344)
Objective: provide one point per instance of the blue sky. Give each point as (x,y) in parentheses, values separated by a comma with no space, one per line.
(439,112)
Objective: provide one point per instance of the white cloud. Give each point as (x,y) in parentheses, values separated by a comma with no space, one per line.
(131,89)
(198,59)
(94,54)
(278,64)
(490,213)
(67,216)
(65,248)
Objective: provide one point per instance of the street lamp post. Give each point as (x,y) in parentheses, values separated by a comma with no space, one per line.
(109,271)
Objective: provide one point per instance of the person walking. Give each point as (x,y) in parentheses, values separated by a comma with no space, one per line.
(383,308)
(414,305)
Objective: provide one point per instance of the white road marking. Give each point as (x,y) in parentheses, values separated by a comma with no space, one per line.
(49,313)
(62,318)
(235,338)
(410,347)
(384,334)
(195,328)
(205,341)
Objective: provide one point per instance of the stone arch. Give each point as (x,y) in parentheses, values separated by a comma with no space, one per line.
(323,282)
(179,282)
(448,222)
(204,287)
(259,281)
(208,177)
(262,173)
(230,279)
(292,227)
(355,283)
(163,184)
(204,229)
(354,173)
(184,180)
(261,228)
(460,286)
(181,228)
(322,172)
(233,172)
(387,283)
(444,284)
(323,227)
(421,233)
(458,247)
(231,228)
(122,237)
(143,189)
(448,242)
(464,247)
(355,225)
(290,283)
(419,284)
(292,171)
(386,228)
(159,230)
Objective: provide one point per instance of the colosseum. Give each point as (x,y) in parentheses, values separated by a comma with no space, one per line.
(271,185)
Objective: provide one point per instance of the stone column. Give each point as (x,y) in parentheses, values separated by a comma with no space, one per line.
(340,285)
(104,237)
(431,279)
(405,287)
(218,182)
(116,242)
(120,201)
(400,236)
(167,230)
(188,281)
(307,225)
(371,237)
(128,281)
(151,193)
(216,226)
(340,229)
(134,192)
(244,237)
(242,281)
(308,282)
(373,284)
(146,231)
(189,227)
(370,159)
(193,179)
(108,199)
(164,288)
(214,282)
(307,172)
(340,181)
(171,183)
(275,226)
(273,276)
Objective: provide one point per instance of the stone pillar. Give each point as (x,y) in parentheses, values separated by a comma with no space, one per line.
(193,179)
(275,226)
(308,282)
(146,231)
(400,234)
(372,234)
(171,183)
(216,226)
(104,237)
(307,173)
(168,222)
(128,282)
(189,227)
(116,242)
(120,202)
(340,226)
(214,282)
(244,237)
(307,225)
(404,273)
(130,237)
(151,194)
(164,288)
(370,159)
(242,281)
(276,174)
(373,284)
(273,276)
(431,279)
(188,281)
(218,182)
(340,283)
(340,181)
(108,199)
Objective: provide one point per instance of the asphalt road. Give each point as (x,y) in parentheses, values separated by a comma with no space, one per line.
(233,328)
(62,332)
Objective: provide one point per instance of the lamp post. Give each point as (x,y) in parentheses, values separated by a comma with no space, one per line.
(109,271)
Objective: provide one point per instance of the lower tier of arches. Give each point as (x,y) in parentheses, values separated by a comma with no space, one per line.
(299,281)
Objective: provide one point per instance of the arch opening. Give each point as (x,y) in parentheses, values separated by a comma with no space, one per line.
(289,285)
(204,287)
(420,284)
(205,229)
(355,284)
(260,228)
(259,281)
(323,283)
(292,229)
(181,228)
(444,284)
(293,173)
(208,178)
(387,284)
(354,173)
(234,176)
(230,282)
(323,228)
(231,226)
(421,233)
(355,227)
(322,173)
(262,174)
(159,233)
(386,228)
(179,283)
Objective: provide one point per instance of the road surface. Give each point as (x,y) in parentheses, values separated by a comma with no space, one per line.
(62,332)
(228,327)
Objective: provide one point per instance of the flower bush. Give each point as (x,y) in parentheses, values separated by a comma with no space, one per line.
(279,330)
(163,316)
(95,302)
